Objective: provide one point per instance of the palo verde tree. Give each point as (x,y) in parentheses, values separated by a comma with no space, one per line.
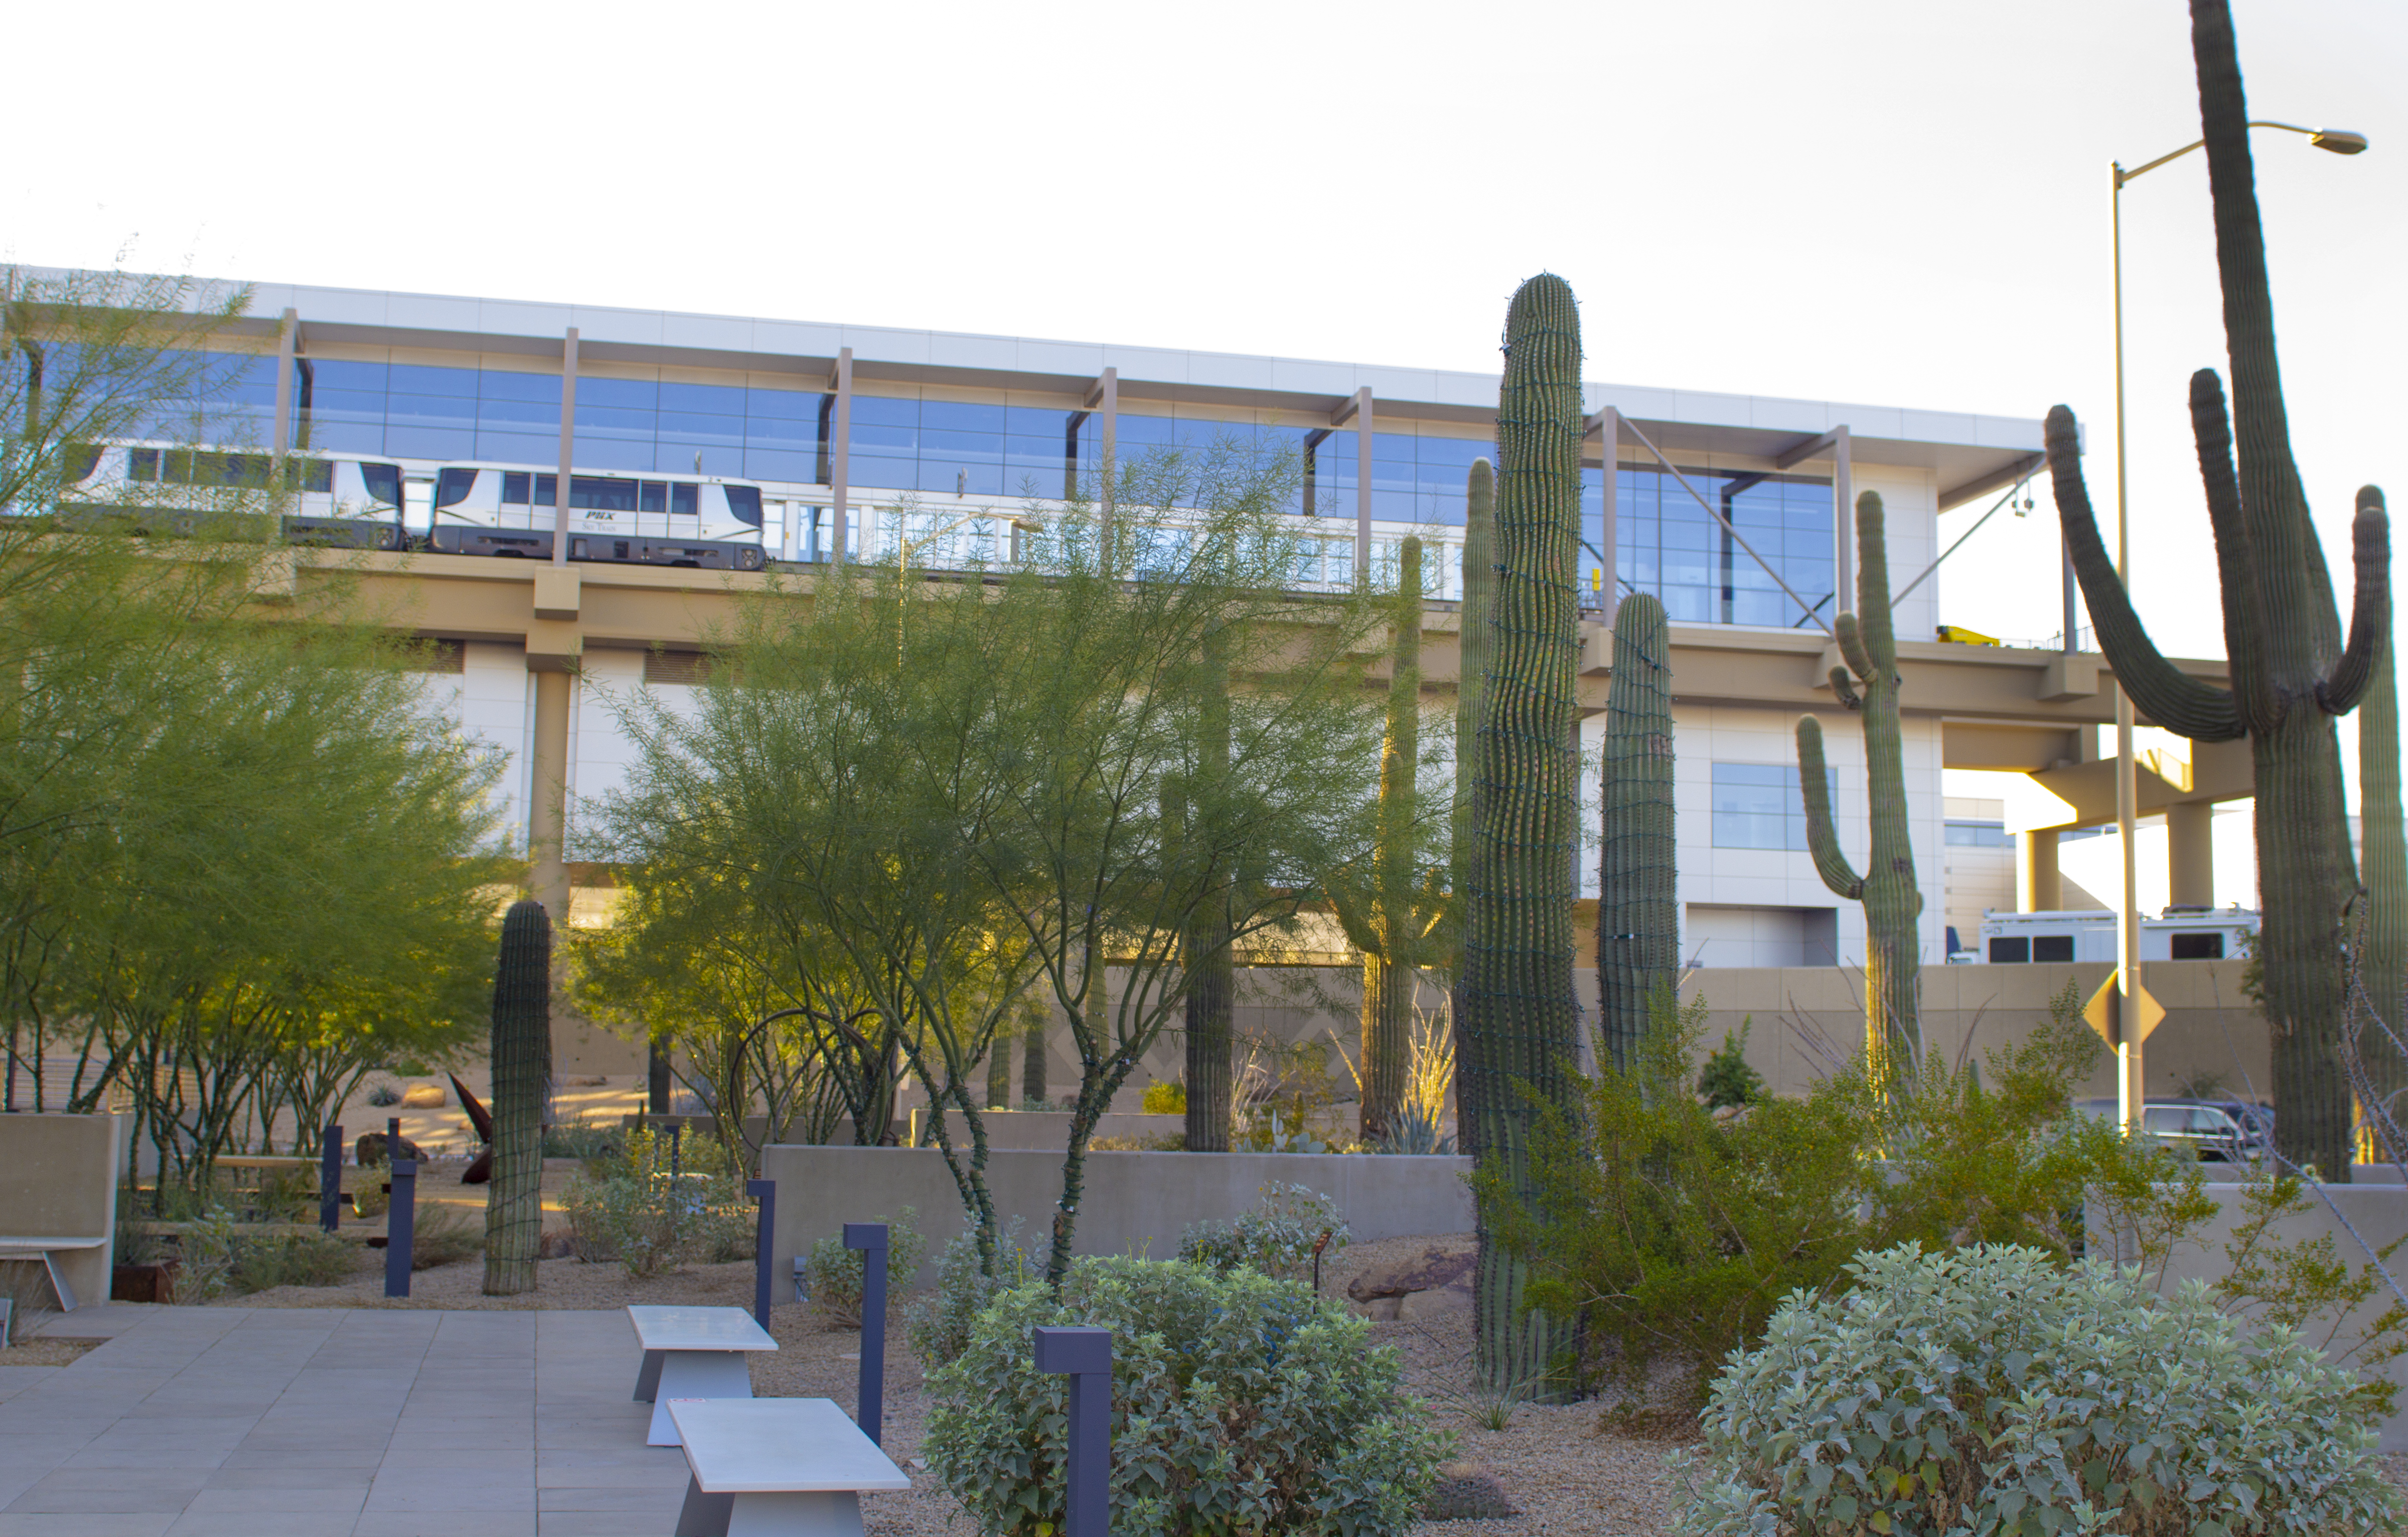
(2291,673)
(1893,902)
(1517,1027)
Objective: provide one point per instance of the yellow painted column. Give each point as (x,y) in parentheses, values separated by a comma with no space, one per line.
(547,815)
(2041,888)
(2190,854)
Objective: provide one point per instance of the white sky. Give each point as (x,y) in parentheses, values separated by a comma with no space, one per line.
(1889,201)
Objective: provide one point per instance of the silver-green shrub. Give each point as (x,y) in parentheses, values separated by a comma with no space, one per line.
(939,1325)
(834,1272)
(635,1210)
(1989,1390)
(1275,1238)
(1239,1404)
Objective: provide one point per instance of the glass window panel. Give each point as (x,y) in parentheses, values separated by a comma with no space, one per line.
(597,453)
(680,427)
(1035,422)
(960,416)
(762,463)
(496,385)
(347,437)
(412,440)
(885,411)
(983,446)
(782,405)
(622,393)
(777,433)
(419,378)
(422,411)
(709,399)
(890,436)
(346,405)
(868,470)
(522,415)
(684,500)
(335,375)
(516,448)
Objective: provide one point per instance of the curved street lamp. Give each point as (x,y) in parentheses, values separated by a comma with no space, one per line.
(2130,1096)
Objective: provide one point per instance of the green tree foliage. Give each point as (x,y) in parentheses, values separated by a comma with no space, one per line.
(1679,1233)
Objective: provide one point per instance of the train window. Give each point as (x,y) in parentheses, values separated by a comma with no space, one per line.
(602,493)
(79,461)
(383,482)
(745,502)
(514,488)
(452,486)
(547,490)
(2203,945)
(656,496)
(142,465)
(2051,947)
(2004,950)
(685,501)
(318,475)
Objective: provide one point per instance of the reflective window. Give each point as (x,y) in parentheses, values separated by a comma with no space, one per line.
(1670,545)
(599,493)
(1980,834)
(1760,806)
(452,486)
(683,501)
(514,488)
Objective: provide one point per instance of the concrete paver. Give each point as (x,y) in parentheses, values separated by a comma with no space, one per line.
(190,1422)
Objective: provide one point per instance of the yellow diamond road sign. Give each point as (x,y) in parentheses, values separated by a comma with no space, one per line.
(2099,1013)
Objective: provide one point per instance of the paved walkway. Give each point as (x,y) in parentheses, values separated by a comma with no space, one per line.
(197,1422)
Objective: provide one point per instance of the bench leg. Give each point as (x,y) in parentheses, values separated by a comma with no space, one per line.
(648,1376)
(694,1374)
(703,1515)
(836,1514)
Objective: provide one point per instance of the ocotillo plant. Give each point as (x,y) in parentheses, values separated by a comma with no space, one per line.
(1893,902)
(2384,974)
(1391,922)
(522,1047)
(1518,1031)
(2291,673)
(1638,913)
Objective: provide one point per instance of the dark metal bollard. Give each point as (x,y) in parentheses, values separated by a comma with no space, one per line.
(766,1192)
(398,1221)
(677,1131)
(1086,1357)
(870,1239)
(330,1179)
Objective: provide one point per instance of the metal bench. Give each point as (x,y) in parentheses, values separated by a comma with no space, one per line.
(776,1468)
(692,1353)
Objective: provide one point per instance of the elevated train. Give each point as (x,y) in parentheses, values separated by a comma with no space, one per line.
(696,521)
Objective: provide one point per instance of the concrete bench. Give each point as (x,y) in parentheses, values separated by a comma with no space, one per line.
(48,1251)
(692,1353)
(776,1468)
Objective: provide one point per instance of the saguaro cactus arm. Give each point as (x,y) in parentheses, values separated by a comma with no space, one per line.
(2172,698)
(1822,836)
(2369,610)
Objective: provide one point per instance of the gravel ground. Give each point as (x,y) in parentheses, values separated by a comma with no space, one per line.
(1559,1470)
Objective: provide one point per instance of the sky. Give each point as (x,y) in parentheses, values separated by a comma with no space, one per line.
(1886,201)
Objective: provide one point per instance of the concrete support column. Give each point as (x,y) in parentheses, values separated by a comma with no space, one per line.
(2039,887)
(287,346)
(2190,853)
(1363,486)
(840,448)
(1843,524)
(1608,426)
(547,812)
(560,488)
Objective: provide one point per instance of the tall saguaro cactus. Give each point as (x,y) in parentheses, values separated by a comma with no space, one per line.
(1893,902)
(522,1064)
(2291,675)
(1392,923)
(1518,1031)
(1638,908)
(2385,971)
(1471,672)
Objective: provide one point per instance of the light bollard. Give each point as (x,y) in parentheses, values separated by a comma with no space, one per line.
(870,1239)
(397,1220)
(330,1179)
(766,1192)
(1083,1354)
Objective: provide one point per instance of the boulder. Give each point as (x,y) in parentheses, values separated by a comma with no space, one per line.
(369,1150)
(1467,1491)
(1427,1271)
(423,1097)
(1438,1302)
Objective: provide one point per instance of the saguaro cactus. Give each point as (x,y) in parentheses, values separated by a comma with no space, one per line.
(1393,926)
(2385,971)
(1470,676)
(1893,902)
(1212,967)
(2291,674)
(1518,1031)
(521,1057)
(1638,908)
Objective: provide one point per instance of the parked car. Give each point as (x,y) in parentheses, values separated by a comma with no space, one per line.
(2218,1131)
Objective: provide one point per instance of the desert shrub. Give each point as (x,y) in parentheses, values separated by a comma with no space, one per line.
(1727,1079)
(579,1137)
(383,1095)
(638,1212)
(938,1324)
(834,1272)
(1994,1390)
(1412,1130)
(1239,1404)
(1168,1099)
(1277,1237)
(443,1235)
(289,1259)
(1677,1234)
(206,1247)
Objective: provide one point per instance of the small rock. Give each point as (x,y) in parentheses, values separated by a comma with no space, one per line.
(1467,1491)
(1381,1309)
(1427,1271)
(554,1244)
(369,1151)
(1438,1302)
(423,1097)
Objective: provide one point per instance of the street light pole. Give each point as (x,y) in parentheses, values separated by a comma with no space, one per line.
(2130,1093)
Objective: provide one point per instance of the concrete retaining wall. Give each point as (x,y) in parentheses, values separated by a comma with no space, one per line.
(1133,1202)
(1043,1130)
(2378,1212)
